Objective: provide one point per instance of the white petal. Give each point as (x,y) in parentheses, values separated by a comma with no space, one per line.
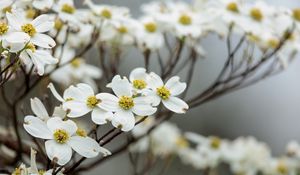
(74,93)
(175,86)
(62,152)
(121,87)
(124,119)
(152,97)
(154,81)
(42,4)
(143,109)
(43,23)
(36,127)
(84,146)
(15,20)
(55,93)
(87,89)
(138,74)
(43,40)
(100,117)
(55,123)
(108,102)
(39,109)
(77,109)
(176,105)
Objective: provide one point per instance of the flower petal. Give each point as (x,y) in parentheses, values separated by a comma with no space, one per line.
(55,93)
(77,108)
(100,117)
(39,109)
(55,123)
(36,127)
(154,81)
(138,74)
(43,40)
(142,106)
(124,120)
(85,146)
(121,87)
(108,102)
(175,86)
(15,20)
(62,152)
(43,23)
(176,105)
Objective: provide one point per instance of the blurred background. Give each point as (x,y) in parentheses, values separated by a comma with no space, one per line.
(269,110)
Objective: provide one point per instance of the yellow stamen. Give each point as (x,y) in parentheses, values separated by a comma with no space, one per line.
(105,13)
(182,142)
(150,27)
(233,7)
(126,102)
(215,142)
(29,29)
(282,168)
(58,24)
(185,20)
(92,101)
(81,132)
(139,84)
(163,92)
(122,30)
(273,43)
(61,136)
(67,8)
(3,28)
(31,13)
(76,62)
(256,14)
(296,14)
(7,9)
(31,47)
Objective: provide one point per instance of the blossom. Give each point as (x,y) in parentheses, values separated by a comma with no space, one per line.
(35,29)
(166,93)
(125,104)
(83,100)
(61,139)
(139,79)
(43,4)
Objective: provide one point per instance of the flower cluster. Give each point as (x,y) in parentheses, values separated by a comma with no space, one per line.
(138,97)
(244,155)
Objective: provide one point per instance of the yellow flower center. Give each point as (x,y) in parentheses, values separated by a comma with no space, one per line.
(92,101)
(122,30)
(69,99)
(29,29)
(126,102)
(296,14)
(282,168)
(139,84)
(150,27)
(7,9)
(185,20)
(76,62)
(182,142)
(163,92)
(233,7)
(105,13)
(42,172)
(256,14)
(273,43)
(58,24)
(3,28)
(215,142)
(30,13)
(17,171)
(31,47)
(67,8)
(61,136)
(81,132)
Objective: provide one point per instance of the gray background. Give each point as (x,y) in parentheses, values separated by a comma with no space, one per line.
(269,110)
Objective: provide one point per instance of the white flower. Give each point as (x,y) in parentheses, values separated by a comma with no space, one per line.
(40,58)
(61,139)
(39,109)
(83,100)
(43,4)
(149,35)
(34,29)
(125,105)
(167,93)
(76,72)
(138,78)
(5,3)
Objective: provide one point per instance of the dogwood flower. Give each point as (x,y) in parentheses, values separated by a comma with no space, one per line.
(42,4)
(166,93)
(125,105)
(83,100)
(35,29)
(138,78)
(62,138)
(40,58)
